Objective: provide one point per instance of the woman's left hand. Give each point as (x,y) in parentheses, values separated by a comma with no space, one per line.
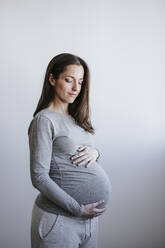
(87,154)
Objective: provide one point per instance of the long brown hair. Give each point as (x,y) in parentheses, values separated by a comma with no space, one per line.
(79,109)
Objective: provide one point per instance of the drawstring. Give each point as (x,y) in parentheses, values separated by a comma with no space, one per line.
(85,230)
(90,226)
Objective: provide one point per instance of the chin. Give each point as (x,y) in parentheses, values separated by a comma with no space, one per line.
(71,100)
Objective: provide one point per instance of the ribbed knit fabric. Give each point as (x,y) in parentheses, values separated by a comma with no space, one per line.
(64,187)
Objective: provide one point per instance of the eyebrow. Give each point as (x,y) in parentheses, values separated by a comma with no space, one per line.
(71,76)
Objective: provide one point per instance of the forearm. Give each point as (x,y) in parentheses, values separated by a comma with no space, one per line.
(56,194)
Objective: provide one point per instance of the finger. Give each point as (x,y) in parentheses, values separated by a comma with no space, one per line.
(81,160)
(81,148)
(84,161)
(91,161)
(94,204)
(98,203)
(80,154)
(97,210)
(97,215)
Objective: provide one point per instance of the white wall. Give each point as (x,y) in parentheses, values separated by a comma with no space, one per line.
(123,43)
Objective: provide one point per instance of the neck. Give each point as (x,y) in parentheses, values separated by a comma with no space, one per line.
(61,108)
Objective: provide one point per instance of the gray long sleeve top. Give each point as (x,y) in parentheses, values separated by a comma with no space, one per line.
(64,187)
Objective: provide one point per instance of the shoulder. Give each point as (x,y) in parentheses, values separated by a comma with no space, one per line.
(45,120)
(44,113)
(48,116)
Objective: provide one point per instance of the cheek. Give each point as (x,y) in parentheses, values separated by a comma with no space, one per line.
(79,90)
(64,88)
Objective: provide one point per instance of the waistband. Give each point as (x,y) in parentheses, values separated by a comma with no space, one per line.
(57,212)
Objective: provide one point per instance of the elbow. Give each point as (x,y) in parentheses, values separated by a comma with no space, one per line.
(38,180)
(35,183)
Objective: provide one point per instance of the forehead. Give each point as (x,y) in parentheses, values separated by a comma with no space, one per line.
(74,71)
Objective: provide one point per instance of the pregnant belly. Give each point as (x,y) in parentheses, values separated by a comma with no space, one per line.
(86,185)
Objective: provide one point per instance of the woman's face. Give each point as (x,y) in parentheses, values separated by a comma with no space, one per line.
(68,85)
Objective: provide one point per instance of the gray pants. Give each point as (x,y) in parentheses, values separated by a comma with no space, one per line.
(50,230)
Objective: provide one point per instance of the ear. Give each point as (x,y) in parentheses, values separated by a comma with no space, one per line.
(51,79)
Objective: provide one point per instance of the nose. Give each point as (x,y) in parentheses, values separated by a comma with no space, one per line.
(75,86)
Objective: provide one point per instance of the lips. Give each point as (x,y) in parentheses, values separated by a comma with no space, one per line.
(72,94)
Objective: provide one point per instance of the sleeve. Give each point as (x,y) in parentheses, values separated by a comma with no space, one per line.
(41,135)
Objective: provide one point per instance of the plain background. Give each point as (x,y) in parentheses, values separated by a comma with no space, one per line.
(123,43)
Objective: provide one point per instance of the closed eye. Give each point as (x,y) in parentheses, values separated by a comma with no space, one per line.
(68,81)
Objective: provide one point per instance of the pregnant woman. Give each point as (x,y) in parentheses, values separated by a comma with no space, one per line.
(64,163)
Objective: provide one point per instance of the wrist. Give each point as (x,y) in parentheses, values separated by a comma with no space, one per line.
(82,209)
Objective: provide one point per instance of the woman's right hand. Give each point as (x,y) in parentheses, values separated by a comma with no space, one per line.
(91,210)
